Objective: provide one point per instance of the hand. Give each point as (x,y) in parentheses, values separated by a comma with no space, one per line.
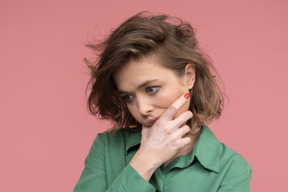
(163,140)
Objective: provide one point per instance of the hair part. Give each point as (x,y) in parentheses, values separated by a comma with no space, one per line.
(173,43)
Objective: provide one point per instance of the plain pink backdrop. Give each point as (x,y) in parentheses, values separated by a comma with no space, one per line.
(46,131)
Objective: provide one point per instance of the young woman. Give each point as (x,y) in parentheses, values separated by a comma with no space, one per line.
(154,83)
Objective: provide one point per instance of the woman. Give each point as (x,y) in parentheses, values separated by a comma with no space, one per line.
(154,83)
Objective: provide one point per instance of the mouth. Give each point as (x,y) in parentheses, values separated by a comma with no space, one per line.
(151,121)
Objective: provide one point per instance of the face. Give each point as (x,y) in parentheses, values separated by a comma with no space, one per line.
(149,88)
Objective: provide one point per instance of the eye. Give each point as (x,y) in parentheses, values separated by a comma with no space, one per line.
(127,98)
(152,90)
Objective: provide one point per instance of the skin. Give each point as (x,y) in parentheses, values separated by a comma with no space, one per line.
(154,96)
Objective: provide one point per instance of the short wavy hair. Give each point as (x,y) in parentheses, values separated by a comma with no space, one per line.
(174,44)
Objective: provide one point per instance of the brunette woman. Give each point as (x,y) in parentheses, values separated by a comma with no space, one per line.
(160,90)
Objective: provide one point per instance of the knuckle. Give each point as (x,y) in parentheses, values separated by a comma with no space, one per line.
(168,130)
(178,143)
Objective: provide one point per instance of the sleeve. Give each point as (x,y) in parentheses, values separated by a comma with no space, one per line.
(130,181)
(238,178)
(94,176)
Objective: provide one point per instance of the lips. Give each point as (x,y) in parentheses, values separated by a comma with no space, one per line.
(151,121)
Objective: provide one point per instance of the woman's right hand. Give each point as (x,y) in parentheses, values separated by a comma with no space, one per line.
(162,140)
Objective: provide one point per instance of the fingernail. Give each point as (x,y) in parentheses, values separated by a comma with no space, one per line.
(187,95)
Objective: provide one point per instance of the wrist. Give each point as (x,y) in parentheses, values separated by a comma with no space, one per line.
(144,165)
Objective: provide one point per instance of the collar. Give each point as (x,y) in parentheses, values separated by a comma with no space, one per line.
(206,149)
(134,139)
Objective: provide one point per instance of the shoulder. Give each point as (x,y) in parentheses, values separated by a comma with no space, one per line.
(232,163)
(235,171)
(110,138)
(118,139)
(227,154)
(218,150)
(216,156)
(107,145)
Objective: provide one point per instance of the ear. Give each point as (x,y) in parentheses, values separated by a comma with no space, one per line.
(190,75)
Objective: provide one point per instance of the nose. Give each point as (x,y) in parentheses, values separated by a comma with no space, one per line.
(144,106)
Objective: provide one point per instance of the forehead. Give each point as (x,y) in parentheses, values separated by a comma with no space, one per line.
(136,72)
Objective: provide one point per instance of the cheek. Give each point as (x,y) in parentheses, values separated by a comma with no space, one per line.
(165,100)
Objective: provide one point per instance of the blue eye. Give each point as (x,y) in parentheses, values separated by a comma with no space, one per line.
(152,90)
(127,98)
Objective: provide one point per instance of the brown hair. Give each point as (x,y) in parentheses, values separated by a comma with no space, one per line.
(174,44)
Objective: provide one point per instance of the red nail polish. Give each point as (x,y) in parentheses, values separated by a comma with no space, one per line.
(187,95)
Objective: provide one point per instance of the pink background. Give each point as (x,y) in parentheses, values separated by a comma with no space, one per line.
(46,131)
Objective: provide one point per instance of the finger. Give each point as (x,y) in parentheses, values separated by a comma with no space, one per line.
(171,111)
(182,118)
(185,141)
(179,133)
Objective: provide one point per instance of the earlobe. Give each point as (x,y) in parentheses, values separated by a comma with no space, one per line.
(190,75)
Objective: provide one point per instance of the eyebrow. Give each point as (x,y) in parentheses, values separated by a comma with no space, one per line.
(140,86)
